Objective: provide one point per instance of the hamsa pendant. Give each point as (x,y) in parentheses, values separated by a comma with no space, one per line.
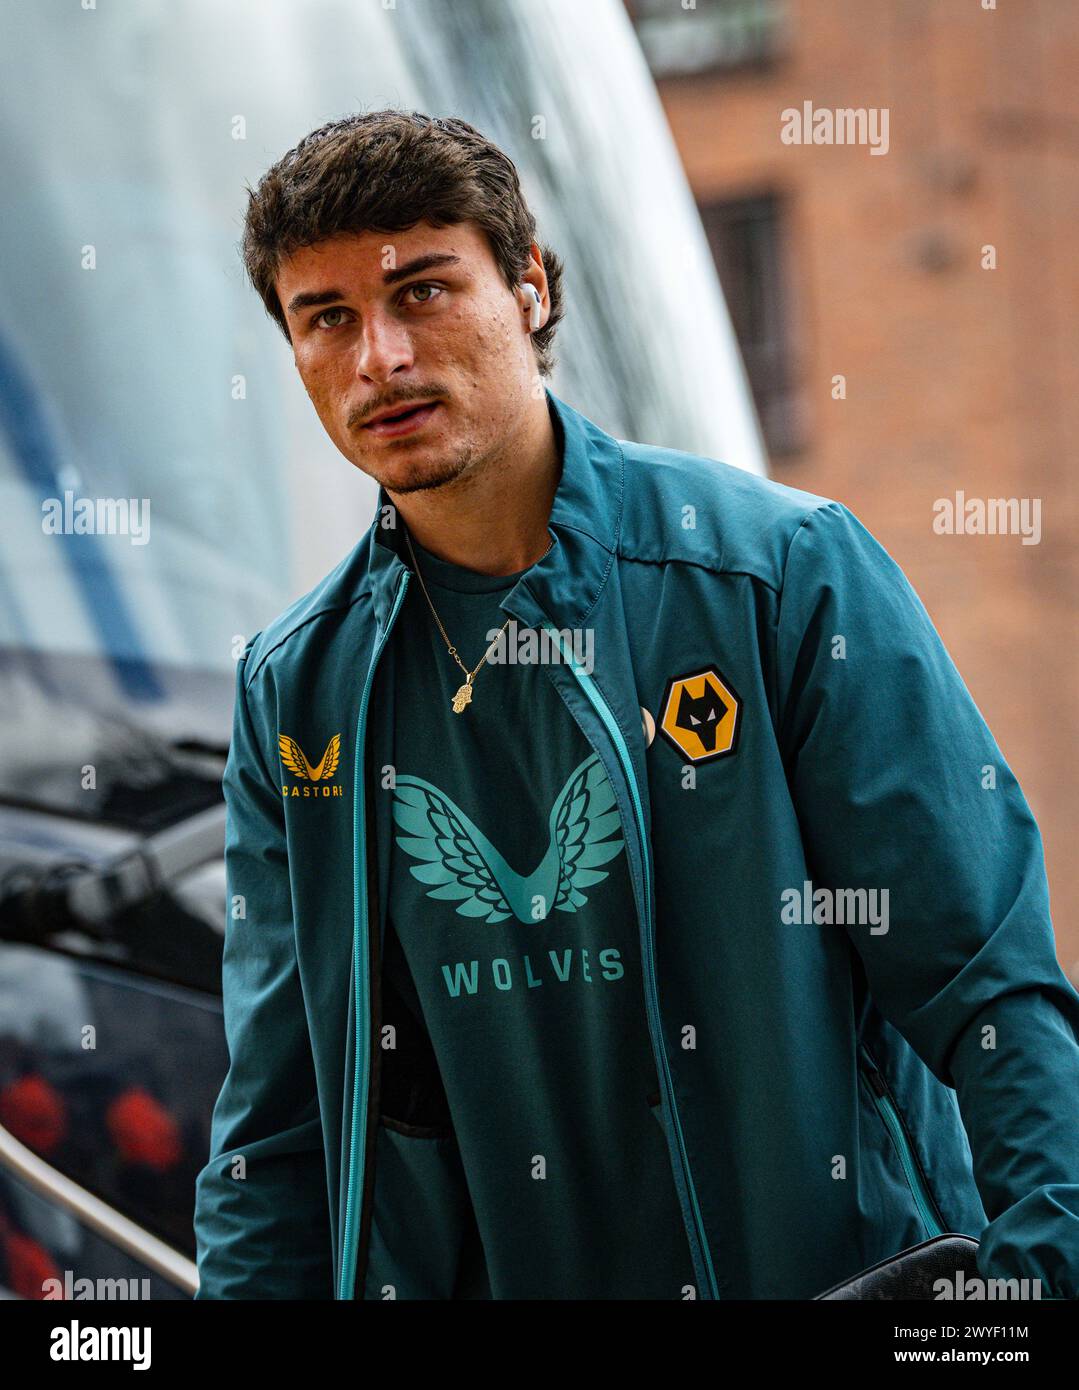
(462,698)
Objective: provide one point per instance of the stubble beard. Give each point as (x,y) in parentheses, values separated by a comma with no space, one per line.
(437,474)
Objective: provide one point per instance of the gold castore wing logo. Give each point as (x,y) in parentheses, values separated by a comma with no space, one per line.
(701,715)
(294,758)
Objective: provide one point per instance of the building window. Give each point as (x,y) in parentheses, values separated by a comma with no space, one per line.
(746,236)
(711,36)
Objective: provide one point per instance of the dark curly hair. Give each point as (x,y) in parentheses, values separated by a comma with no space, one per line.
(386,171)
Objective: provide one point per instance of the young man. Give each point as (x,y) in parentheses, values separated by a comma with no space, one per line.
(672,945)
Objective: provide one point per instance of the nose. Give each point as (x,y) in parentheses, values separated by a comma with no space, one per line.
(383,347)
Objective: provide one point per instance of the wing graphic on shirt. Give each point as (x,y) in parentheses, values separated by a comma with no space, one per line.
(462,864)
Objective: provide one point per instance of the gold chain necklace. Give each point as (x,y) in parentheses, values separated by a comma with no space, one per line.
(463,696)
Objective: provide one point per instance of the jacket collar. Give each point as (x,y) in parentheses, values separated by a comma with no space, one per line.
(584,525)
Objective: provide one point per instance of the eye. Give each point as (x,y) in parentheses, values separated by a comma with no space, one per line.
(325,314)
(434,291)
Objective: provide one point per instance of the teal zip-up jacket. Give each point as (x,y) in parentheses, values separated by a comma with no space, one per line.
(860,1028)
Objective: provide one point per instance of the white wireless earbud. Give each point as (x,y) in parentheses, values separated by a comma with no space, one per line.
(535,313)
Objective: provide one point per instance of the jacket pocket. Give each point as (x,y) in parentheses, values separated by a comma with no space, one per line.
(884,1103)
(411,1131)
(420,1215)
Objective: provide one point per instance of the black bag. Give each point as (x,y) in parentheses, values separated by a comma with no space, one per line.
(912,1273)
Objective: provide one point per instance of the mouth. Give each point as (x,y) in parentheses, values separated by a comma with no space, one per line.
(404,421)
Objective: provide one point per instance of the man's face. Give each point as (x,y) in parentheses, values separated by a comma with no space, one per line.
(377,326)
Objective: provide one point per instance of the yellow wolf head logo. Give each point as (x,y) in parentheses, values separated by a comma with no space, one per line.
(294,758)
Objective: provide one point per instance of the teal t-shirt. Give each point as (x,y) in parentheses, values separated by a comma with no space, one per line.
(512,936)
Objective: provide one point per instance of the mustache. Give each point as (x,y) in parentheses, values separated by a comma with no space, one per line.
(362,413)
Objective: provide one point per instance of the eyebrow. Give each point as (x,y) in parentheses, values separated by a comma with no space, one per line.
(309,299)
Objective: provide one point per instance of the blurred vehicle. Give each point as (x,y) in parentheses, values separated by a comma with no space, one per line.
(112,1048)
(136,368)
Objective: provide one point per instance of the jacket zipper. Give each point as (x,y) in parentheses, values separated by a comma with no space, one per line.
(889,1113)
(361,983)
(694,1221)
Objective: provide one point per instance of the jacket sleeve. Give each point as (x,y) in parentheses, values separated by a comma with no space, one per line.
(262,1226)
(899,785)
